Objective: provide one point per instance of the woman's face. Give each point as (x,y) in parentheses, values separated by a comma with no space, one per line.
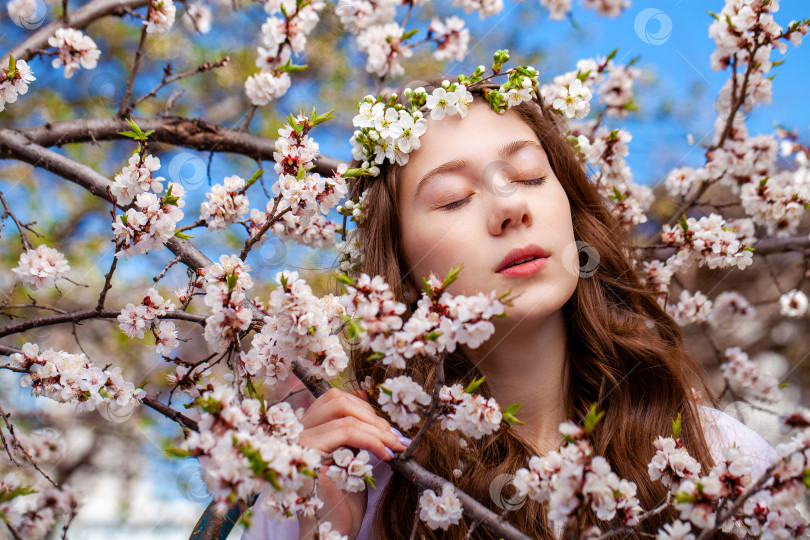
(485,200)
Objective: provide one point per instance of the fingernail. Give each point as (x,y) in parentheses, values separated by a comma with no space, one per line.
(402,438)
(390,452)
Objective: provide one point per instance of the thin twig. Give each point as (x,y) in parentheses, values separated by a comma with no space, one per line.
(126,108)
(168,78)
(108,279)
(19,445)
(166,269)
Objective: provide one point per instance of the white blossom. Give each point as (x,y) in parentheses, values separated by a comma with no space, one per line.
(265,86)
(226,203)
(440,511)
(349,471)
(74,50)
(40,268)
(401,398)
(793,304)
(15,85)
(745,376)
(160,16)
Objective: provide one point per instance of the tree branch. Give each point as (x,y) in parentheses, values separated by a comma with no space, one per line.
(180,131)
(77,316)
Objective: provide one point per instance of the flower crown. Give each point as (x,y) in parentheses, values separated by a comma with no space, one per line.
(391,130)
(388,129)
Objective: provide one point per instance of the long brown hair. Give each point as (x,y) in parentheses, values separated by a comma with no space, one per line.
(623,352)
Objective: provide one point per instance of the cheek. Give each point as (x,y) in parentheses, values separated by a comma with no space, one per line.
(433,249)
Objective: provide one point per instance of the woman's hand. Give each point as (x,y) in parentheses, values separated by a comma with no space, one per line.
(336,419)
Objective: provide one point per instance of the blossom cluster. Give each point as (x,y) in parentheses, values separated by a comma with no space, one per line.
(74,50)
(402,399)
(471,414)
(440,322)
(710,241)
(612,82)
(390,130)
(160,17)
(72,378)
(134,320)
(225,286)
(197,18)
(40,268)
(151,223)
(38,519)
(15,83)
(226,203)
(304,198)
(137,177)
(281,36)
(746,377)
(672,463)
(244,446)
(691,308)
(794,303)
(572,475)
(298,327)
(452,37)
(440,511)
(350,471)
(630,201)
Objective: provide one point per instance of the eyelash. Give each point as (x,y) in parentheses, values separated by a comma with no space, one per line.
(456,204)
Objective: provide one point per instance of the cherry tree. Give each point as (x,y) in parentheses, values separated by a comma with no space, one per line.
(234,415)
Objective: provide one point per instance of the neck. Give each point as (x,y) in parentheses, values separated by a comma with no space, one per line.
(524,363)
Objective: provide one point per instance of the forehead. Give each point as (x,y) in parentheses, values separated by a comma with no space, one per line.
(476,138)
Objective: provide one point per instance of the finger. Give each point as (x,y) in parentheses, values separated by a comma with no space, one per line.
(349,431)
(340,404)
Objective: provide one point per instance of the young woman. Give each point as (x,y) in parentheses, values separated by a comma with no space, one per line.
(483,191)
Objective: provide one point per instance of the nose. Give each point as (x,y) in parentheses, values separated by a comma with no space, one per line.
(508,207)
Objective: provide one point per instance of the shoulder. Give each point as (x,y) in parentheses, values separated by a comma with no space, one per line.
(724,431)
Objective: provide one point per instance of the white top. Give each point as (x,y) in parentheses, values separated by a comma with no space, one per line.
(721,430)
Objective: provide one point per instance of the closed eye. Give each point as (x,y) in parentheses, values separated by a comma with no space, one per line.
(456,204)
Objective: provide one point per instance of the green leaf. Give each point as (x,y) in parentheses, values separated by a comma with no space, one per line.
(322,118)
(289,67)
(12,67)
(175,452)
(344,278)
(592,419)
(409,34)
(676,427)
(369,480)
(128,134)
(375,356)
(184,236)
(612,54)
(806,477)
(143,384)
(232,279)
(784,384)
(385,390)
(473,386)
(509,414)
(6,496)
(252,179)
(452,275)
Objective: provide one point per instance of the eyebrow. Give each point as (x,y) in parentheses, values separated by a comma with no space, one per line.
(507,150)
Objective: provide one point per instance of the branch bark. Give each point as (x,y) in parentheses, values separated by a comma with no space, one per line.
(186,132)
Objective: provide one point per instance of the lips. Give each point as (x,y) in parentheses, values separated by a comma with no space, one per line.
(521,255)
